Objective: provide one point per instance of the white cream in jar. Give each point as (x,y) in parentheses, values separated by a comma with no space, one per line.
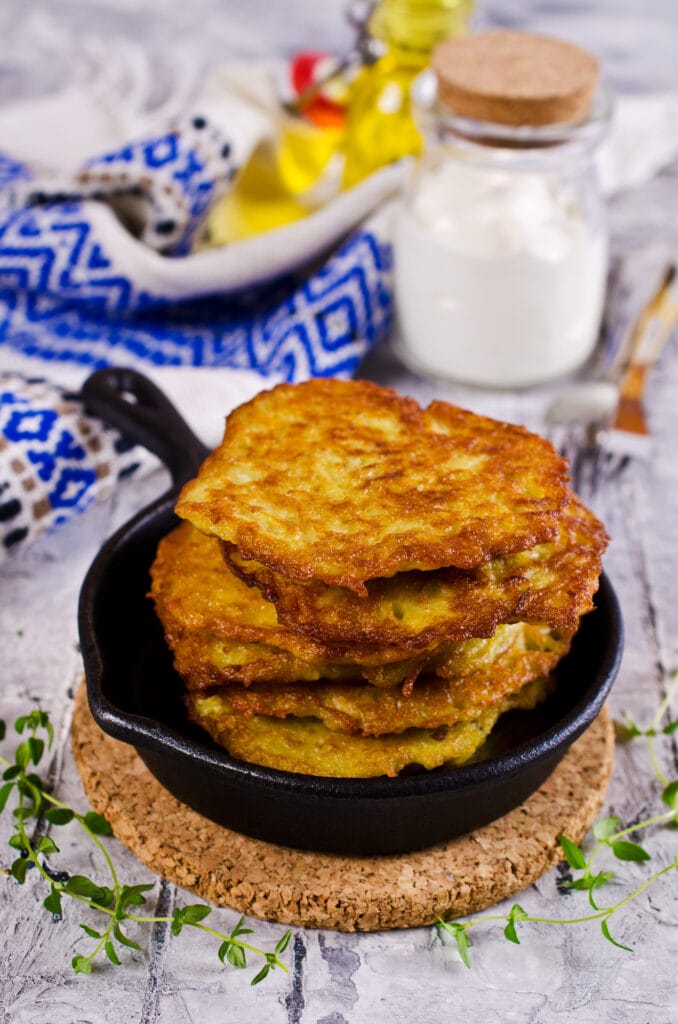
(501,245)
(499,278)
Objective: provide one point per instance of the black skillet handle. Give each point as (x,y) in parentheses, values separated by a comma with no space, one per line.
(130,402)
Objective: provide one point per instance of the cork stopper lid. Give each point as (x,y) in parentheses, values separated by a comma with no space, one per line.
(515,78)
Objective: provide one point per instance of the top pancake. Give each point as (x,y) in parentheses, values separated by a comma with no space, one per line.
(346,481)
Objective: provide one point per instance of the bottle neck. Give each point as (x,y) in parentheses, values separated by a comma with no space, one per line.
(412,28)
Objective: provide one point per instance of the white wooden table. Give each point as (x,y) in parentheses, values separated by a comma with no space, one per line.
(557,975)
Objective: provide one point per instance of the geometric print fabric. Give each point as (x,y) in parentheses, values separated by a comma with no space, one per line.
(71,291)
(54,459)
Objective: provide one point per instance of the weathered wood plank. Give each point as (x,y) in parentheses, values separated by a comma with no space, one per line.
(558,976)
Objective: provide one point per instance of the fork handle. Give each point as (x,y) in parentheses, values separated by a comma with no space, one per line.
(650,334)
(629,414)
(655,323)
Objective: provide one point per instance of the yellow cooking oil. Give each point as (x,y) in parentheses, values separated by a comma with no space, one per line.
(286,179)
(381,126)
(279,184)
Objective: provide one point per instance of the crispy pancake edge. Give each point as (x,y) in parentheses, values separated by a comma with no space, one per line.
(184,563)
(574,564)
(309,747)
(480,538)
(361,709)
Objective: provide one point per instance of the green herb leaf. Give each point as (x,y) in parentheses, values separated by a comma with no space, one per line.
(606,932)
(19,868)
(461,938)
(3,729)
(16,842)
(463,942)
(283,943)
(573,853)
(235,955)
(580,883)
(22,755)
(670,795)
(21,723)
(605,827)
(90,931)
(671,727)
(46,724)
(97,824)
(626,730)
(195,913)
(177,921)
(602,878)
(589,882)
(111,953)
(36,748)
(28,789)
(132,894)
(516,914)
(53,901)
(106,898)
(79,885)
(124,939)
(263,973)
(4,795)
(46,845)
(239,929)
(81,965)
(11,772)
(59,815)
(624,850)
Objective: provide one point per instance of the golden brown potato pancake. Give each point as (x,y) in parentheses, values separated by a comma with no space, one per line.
(362,709)
(205,662)
(222,631)
(219,629)
(346,481)
(551,583)
(307,746)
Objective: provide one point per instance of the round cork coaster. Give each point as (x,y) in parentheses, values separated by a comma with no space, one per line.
(314,890)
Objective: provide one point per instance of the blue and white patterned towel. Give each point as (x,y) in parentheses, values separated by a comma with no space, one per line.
(81,282)
(54,460)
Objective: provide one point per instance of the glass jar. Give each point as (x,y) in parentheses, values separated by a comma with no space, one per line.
(501,248)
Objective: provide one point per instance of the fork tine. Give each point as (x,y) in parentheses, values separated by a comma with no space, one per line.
(615,463)
(570,441)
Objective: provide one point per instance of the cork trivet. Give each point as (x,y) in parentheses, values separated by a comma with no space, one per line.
(344,893)
(515,78)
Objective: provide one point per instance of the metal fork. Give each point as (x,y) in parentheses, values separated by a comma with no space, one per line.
(600,425)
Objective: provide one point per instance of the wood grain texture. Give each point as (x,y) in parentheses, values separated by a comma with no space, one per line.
(557,975)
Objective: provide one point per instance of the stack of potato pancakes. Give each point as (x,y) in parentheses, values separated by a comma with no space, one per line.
(363,585)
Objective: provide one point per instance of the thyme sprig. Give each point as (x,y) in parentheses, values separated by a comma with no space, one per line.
(608,835)
(116,902)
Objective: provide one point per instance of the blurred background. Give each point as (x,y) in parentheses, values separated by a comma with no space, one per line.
(44,44)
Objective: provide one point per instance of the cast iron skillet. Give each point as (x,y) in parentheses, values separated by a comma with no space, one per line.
(135,695)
